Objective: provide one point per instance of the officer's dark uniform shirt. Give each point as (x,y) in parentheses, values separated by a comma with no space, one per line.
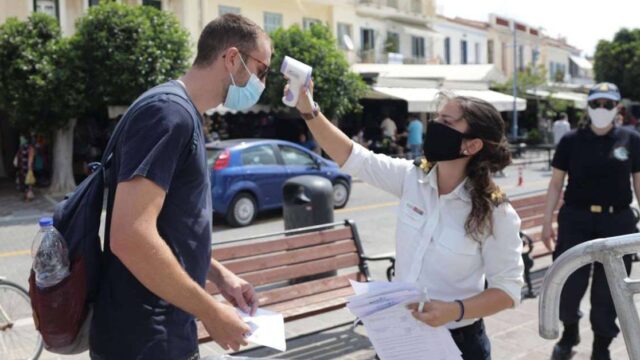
(130,322)
(599,167)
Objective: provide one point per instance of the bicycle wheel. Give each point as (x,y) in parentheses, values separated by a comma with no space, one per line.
(19,339)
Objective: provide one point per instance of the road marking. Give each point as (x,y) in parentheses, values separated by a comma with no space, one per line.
(369,207)
(15,253)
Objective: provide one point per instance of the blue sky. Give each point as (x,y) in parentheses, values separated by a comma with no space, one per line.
(584,23)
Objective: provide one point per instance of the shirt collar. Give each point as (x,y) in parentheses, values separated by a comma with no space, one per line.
(460,191)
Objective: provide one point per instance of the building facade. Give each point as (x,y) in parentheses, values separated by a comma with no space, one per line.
(462,42)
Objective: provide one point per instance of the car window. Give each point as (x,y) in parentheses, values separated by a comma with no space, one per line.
(293,156)
(259,155)
(212,156)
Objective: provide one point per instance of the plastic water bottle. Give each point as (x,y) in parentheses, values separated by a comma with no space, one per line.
(50,255)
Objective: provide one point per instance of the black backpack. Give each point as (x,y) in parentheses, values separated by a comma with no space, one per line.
(63,312)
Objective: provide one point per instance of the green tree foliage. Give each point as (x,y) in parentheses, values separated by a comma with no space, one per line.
(336,89)
(531,78)
(129,49)
(618,61)
(42,85)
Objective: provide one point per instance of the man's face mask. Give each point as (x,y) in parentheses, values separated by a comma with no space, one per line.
(442,142)
(602,114)
(242,98)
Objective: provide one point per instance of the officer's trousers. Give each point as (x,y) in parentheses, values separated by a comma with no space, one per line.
(575,226)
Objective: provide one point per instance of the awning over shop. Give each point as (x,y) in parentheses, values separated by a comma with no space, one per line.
(253,110)
(579,100)
(424,99)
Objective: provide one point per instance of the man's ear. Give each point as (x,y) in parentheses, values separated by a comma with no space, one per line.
(472,146)
(231,58)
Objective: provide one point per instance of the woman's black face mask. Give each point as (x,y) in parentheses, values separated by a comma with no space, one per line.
(442,142)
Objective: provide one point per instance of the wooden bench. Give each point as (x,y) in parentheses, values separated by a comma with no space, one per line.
(531,212)
(275,263)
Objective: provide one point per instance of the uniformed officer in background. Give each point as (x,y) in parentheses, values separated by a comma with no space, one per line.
(600,160)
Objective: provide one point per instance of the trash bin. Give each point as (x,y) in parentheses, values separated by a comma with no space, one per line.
(307,201)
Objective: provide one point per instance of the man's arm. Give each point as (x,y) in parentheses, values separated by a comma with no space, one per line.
(136,242)
(553,196)
(636,186)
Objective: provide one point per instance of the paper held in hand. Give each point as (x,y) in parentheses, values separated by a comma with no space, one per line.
(267,329)
(393,331)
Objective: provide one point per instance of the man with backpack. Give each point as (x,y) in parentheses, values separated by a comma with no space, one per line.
(159,216)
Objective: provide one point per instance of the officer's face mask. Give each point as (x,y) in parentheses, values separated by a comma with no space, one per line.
(601,116)
(242,98)
(443,143)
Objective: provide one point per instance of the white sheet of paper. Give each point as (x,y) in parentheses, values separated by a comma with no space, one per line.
(396,335)
(267,329)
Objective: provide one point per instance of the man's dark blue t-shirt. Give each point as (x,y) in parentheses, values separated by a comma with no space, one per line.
(130,322)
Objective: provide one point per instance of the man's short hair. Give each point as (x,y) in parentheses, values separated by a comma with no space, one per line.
(228,30)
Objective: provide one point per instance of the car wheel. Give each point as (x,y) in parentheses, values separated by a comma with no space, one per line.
(243,210)
(341,192)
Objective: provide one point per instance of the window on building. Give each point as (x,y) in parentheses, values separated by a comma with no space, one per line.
(307,22)
(521,58)
(477,52)
(416,6)
(392,3)
(417,47)
(272,21)
(367,40)
(155,3)
(49,7)
(535,53)
(344,29)
(463,52)
(552,70)
(490,54)
(93,2)
(223,9)
(392,44)
(447,50)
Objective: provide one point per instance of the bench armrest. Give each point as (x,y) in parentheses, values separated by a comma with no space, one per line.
(391,257)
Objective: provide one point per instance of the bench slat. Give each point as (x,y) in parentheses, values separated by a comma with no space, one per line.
(233,251)
(293,308)
(527,201)
(265,262)
(535,221)
(302,307)
(274,296)
(288,272)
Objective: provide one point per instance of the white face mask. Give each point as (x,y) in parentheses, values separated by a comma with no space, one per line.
(601,117)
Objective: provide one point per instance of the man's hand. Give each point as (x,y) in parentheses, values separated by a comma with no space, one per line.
(226,327)
(238,292)
(436,313)
(548,236)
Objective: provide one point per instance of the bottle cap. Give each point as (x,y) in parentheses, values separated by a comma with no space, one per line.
(46,221)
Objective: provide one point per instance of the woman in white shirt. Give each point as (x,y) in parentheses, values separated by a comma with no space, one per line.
(456,229)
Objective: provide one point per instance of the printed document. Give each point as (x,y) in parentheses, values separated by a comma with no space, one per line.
(393,331)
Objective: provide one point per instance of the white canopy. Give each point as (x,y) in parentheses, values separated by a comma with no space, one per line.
(424,99)
(223,110)
(579,99)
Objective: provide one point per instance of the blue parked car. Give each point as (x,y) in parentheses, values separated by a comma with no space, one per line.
(247,176)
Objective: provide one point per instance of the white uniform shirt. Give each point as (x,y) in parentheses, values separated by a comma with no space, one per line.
(432,248)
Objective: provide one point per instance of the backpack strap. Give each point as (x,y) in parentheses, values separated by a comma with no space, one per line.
(177,93)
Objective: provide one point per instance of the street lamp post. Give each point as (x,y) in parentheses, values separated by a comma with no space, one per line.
(514,123)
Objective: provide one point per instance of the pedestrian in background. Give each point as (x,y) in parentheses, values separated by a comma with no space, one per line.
(23,162)
(414,138)
(600,161)
(456,229)
(560,128)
